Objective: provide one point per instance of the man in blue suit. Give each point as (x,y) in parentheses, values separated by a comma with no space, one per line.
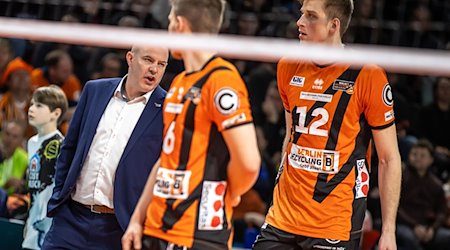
(113,141)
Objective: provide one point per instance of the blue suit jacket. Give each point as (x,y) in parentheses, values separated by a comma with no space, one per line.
(139,156)
(3,200)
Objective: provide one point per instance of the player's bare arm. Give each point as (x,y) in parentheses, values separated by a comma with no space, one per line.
(132,238)
(389,175)
(245,160)
(288,118)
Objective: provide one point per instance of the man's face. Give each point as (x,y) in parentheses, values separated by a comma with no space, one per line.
(420,158)
(5,56)
(20,84)
(111,68)
(62,71)
(146,67)
(12,137)
(313,24)
(443,90)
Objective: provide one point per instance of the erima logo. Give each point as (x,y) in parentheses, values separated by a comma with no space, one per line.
(297,81)
(318,84)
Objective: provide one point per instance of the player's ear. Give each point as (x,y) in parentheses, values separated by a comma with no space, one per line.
(335,25)
(183,24)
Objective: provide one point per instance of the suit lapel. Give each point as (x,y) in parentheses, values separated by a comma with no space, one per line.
(154,105)
(99,103)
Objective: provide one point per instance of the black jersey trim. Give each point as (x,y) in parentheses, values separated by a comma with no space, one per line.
(237,125)
(383,126)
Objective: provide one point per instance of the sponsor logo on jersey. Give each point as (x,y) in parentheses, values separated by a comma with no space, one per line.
(226,101)
(389,115)
(211,212)
(33,173)
(51,149)
(331,241)
(388,99)
(234,120)
(194,94)
(180,93)
(172,184)
(362,180)
(171,92)
(297,81)
(174,108)
(318,84)
(316,97)
(314,160)
(342,85)
(172,246)
(328,247)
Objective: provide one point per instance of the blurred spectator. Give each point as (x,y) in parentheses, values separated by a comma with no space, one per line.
(99,53)
(78,54)
(274,125)
(9,203)
(404,113)
(129,21)
(258,82)
(433,123)
(160,10)
(58,70)
(422,210)
(14,103)
(249,215)
(6,55)
(88,11)
(110,67)
(418,33)
(136,15)
(247,24)
(363,28)
(14,159)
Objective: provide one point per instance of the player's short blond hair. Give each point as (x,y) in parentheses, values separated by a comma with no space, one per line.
(204,16)
(340,9)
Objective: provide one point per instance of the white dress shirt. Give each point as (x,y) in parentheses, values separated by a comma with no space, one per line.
(95,185)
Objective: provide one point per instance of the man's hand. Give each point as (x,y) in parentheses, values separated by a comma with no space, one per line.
(420,232)
(14,202)
(429,234)
(387,242)
(132,239)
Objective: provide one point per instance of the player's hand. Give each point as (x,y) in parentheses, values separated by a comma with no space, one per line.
(235,201)
(387,242)
(132,239)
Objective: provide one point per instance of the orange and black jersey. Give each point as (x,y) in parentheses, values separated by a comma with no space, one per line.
(190,194)
(323,183)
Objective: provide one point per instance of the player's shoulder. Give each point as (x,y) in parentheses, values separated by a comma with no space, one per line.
(288,62)
(372,69)
(224,71)
(224,66)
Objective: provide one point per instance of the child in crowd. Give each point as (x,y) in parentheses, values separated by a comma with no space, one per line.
(47,109)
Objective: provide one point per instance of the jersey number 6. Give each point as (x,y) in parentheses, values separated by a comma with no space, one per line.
(169,139)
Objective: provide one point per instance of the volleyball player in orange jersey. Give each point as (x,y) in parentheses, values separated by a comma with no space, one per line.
(333,111)
(210,155)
